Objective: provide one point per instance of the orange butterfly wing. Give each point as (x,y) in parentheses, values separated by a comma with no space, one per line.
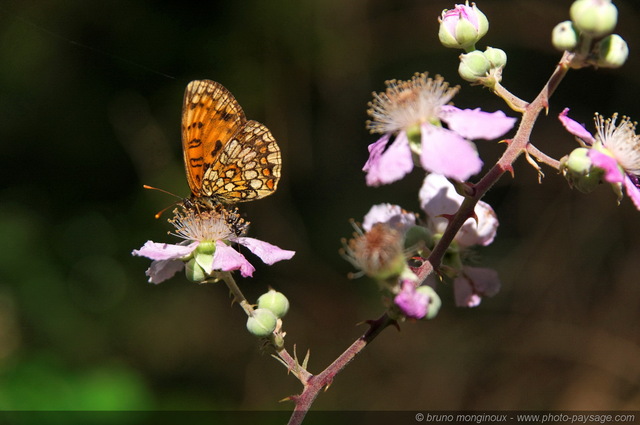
(227,158)
(248,167)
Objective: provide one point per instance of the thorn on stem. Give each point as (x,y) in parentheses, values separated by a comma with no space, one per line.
(535,165)
(448,217)
(293,398)
(509,168)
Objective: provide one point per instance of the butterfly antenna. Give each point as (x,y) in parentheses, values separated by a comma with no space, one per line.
(159,213)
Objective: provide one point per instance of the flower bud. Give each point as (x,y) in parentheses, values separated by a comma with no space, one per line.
(274,301)
(434,300)
(564,36)
(262,322)
(462,27)
(612,52)
(579,171)
(596,18)
(496,57)
(473,66)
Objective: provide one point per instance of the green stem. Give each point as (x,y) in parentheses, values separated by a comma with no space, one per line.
(238,296)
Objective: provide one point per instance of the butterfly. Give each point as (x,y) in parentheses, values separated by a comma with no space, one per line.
(228,159)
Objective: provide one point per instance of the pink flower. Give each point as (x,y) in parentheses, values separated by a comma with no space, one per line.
(390,214)
(438,197)
(473,284)
(412,304)
(206,248)
(388,162)
(409,115)
(615,149)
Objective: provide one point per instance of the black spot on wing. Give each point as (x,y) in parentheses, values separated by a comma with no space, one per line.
(216,148)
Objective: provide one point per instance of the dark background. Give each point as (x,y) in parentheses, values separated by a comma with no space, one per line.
(90,101)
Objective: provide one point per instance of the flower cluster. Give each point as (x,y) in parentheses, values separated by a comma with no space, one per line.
(410,116)
(392,239)
(612,155)
(589,35)
(206,248)
(461,28)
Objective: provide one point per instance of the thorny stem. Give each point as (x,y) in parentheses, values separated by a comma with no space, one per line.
(518,145)
(313,384)
(324,379)
(510,99)
(542,157)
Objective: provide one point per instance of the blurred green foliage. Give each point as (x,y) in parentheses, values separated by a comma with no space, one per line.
(90,99)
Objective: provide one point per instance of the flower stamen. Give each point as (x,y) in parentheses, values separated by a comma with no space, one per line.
(407,103)
(621,140)
(209,225)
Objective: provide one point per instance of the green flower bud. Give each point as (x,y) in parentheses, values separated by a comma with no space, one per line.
(262,322)
(579,172)
(274,301)
(473,66)
(496,57)
(612,52)
(434,301)
(564,36)
(578,161)
(462,27)
(595,18)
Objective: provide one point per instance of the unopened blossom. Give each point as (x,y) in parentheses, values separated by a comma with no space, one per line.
(615,148)
(565,36)
(595,18)
(439,200)
(462,27)
(410,115)
(206,246)
(611,52)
